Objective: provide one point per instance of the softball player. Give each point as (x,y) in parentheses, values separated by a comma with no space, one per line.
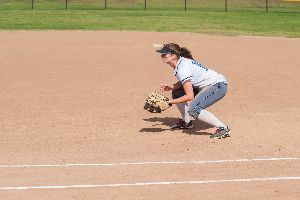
(196,83)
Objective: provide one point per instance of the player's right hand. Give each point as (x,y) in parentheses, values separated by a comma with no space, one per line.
(166,87)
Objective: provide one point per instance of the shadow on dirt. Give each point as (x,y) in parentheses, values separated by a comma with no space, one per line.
(199,127)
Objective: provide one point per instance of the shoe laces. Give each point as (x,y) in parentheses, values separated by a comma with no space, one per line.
(219,129)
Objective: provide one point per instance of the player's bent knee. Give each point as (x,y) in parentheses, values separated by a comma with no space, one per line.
(193,113)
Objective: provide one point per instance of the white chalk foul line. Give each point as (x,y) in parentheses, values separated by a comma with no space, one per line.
(152,183)
(146,163)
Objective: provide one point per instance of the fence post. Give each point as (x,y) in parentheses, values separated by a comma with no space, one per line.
(105,4)
(145,4)
(66,7)
(226,6)
(267,5)
(32,2)
(184,5)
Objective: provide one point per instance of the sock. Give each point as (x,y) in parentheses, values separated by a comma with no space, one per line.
(183,109)
(210,119)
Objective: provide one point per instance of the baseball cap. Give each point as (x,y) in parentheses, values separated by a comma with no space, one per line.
(166,50)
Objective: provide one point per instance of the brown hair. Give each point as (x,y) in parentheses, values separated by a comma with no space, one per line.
(180,51)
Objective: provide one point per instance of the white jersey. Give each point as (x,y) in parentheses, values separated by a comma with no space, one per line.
(198,74)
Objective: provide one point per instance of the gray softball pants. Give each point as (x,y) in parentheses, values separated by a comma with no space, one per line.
(203,98)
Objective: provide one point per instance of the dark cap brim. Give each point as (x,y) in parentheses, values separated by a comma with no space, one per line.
(162,51)
(166,50)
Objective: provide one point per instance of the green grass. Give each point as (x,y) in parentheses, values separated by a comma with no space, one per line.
(227,23)
(191,5)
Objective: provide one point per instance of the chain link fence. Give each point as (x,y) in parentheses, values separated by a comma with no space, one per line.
(168,5)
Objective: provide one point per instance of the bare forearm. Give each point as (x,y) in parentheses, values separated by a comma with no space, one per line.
(182,99)
(189,94)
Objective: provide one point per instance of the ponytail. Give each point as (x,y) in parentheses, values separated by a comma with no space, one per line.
(179,51)
(184,52)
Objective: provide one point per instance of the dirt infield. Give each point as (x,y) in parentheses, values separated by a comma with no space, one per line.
(76,97)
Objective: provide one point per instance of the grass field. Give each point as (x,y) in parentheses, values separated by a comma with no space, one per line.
(203,16)
(200,5)
(191,5)
(228,23)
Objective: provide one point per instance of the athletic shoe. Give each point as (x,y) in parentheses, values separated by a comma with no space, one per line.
(182,125)
(221,132)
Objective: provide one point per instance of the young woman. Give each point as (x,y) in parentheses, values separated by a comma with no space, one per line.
(196,83)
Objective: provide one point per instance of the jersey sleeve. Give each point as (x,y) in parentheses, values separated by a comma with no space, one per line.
(184,74)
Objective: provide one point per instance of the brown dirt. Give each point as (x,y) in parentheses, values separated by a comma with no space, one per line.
(77,97)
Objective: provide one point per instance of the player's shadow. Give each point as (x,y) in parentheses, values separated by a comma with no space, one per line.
(199,127)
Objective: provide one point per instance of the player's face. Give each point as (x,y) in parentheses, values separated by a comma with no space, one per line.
(167,58)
